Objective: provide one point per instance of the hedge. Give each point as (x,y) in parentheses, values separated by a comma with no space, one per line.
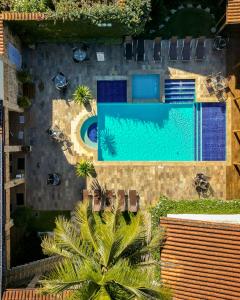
(202,206)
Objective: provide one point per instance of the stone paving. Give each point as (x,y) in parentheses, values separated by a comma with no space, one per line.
(51,108)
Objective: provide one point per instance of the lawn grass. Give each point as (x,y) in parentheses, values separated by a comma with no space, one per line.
(68,32)
(202,206)
(25,241)
(29,220)
(45,220)
(189,21)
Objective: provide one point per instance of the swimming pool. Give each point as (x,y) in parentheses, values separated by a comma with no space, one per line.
(145,86)
(146,132)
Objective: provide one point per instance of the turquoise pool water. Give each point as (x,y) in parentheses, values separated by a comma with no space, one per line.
(146,132)
(146,86)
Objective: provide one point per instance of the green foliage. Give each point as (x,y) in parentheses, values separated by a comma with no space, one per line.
(103,257)
(26,217)
(67,32)
(29,5)
(24,102)
(202,206)
(85,168)
(22,216)
(82,95)
(26,244)
(23,76)
(45,220)
(189,21)
(132,15)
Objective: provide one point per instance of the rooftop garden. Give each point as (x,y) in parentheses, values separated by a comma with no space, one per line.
(202,206)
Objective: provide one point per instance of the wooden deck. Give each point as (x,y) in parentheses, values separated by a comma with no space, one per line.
(233,71)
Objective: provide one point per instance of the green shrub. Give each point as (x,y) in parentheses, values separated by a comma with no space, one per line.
(82,95)
(29,5)
(202,206)
(24,102)
(133,14)
(23,76)
(22,216)
(85,168)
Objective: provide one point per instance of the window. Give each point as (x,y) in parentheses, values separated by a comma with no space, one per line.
(21,163)
(20,198)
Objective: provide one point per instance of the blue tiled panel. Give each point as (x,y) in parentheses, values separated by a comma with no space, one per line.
(14,56)
(179,90)
(213,131)
(112,91)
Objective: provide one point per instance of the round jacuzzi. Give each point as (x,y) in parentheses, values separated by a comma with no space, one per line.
(88,132)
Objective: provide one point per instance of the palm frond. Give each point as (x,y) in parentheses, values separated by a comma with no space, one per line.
(62,278)
(86,223)
(67,237)
(130,235)
(103,257)
(140,252)
(134,280)
(105,234)
(87,292)
(102,294)
(69,275)
(51,248)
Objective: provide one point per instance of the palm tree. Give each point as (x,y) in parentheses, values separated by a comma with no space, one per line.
(103,257)
(82,95)
(84,168)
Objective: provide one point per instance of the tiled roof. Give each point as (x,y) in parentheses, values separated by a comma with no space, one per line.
(233,12)
(200,260)
(30,294)
(15,16)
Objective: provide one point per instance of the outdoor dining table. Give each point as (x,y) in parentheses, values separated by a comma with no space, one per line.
(60,81)
(79,55)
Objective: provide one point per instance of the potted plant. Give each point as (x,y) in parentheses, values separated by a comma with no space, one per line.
(82,95)
(24,77)
(24,102)
(85,168)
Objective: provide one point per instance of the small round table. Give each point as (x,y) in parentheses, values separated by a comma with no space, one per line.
(219,43)
(79,55)
(60,81)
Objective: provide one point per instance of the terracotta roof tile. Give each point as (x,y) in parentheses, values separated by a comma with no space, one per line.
(200,260)
(233,12)
(30,294)
(16,16)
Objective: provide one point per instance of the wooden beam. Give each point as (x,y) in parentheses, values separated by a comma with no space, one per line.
(12,106)
(221,28)
(12,148)
(14,182)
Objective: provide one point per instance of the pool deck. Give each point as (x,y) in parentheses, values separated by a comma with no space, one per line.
(150,179)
